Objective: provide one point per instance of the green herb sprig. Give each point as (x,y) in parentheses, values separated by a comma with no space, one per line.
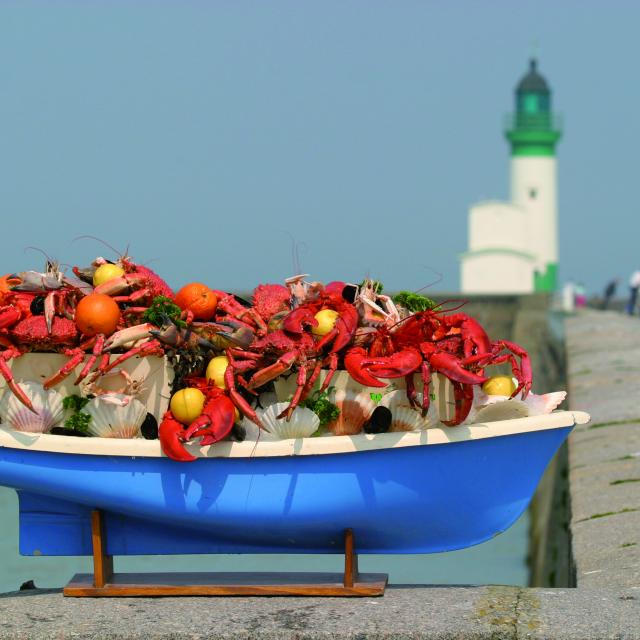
(162,308)
(414,301)
(322,406)
(79,420)
(74,403)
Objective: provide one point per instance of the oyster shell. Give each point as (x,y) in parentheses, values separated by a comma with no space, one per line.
(115,415)
(47,404)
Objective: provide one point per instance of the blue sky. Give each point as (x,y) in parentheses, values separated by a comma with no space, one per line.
(209,136)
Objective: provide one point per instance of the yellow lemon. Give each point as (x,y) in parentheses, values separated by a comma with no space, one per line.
(186,404)
(499,386)
(215,370)
(106,272)
(326,321)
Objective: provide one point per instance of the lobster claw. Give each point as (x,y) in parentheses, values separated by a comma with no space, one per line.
(298,320)
(354,363)
(225,333)
(172,436)
(397,365)
(463,395)
(215,422)
(450,366)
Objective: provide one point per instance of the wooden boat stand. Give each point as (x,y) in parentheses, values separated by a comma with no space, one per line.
(105,583)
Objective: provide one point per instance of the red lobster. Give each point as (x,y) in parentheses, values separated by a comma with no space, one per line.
(214,423)
(455,345)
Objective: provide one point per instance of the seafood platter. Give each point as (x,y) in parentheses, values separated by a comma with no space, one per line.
(200,422)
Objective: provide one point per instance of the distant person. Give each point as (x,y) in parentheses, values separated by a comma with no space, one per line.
(609,292)
(568,297)
(580,296)
(634,285)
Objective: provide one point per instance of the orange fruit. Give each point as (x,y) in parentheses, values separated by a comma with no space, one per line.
(197,298)
(97,313)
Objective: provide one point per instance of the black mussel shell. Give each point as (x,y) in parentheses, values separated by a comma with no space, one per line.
(350,292)
(64,431)
(149,428)
(238,433)
(37,306)
(379,422)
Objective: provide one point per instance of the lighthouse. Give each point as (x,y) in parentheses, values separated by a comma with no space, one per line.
(513,246)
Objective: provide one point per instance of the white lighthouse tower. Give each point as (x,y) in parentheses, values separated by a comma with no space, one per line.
(513,247)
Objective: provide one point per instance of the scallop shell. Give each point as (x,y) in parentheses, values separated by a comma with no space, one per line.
(115,415)
(546,403)
(397,400)
(253,433)
(267,398)
(302,424)
(506,410)
(47,404)
(406,419)
(355,409)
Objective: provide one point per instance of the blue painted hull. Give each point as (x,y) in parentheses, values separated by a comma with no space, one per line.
(415,499)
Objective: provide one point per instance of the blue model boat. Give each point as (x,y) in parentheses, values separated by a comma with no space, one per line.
(415,492)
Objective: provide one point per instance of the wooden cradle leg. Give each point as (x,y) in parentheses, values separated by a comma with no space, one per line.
(102,563)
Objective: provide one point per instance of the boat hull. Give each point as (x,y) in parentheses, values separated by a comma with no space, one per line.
(411,499)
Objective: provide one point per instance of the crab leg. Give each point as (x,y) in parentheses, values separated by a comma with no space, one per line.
(333,365)
(301,381)
(312,379)
(76,356)
(237,398)
(16,389)
(151,348)
(97,350)
(282,364)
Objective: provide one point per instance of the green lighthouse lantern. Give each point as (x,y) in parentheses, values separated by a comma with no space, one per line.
(532,130)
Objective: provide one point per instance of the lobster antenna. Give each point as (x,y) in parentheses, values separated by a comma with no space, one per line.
(438,279)
(106,244)
(297,262)
(461,303)
(51,263)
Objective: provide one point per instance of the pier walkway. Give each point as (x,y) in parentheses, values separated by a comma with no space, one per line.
(603,351)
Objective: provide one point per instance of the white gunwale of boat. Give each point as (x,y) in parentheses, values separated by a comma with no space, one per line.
(137,448)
